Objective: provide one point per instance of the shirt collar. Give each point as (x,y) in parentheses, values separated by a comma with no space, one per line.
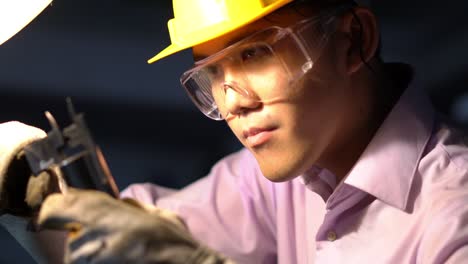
(387,166)
(320,181)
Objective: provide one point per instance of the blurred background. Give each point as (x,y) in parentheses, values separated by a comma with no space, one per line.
(96,52)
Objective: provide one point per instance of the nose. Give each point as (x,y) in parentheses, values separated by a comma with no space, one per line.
(237,101)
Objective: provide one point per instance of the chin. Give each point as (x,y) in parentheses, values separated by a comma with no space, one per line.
(277,172)
(285,165)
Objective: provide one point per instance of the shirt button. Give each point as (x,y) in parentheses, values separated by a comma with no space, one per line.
(331,236)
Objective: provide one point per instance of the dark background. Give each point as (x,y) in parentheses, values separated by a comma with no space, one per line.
(96,52)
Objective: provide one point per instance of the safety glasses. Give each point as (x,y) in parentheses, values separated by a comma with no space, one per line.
(274,58)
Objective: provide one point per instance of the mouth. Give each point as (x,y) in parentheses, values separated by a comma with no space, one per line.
(258,136)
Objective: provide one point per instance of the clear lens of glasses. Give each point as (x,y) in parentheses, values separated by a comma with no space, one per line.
(270,60)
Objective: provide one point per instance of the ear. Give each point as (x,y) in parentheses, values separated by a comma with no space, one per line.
(360,26)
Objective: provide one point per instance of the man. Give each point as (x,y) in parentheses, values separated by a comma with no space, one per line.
(344,160)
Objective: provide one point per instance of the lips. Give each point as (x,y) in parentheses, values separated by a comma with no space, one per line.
(257,136)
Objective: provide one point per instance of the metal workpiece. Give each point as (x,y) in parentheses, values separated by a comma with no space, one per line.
(74,152)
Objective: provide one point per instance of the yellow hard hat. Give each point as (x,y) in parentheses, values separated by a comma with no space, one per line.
(197,21)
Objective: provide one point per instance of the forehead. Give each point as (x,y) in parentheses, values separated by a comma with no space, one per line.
(283,18)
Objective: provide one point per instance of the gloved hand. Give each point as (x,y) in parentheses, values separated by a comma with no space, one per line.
(21,194)
(107,230)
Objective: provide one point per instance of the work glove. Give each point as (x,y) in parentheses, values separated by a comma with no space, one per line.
(20,193)
(106,230)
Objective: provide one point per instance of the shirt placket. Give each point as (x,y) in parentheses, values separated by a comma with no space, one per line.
(344,197)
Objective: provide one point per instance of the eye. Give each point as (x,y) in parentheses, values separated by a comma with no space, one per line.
(212,70)
(255,52)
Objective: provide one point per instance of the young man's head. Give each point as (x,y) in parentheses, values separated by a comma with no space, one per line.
(295,85)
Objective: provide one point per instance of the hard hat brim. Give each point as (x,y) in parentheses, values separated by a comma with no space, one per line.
(171,49)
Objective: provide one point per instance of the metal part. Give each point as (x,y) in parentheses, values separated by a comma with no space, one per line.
(74,152)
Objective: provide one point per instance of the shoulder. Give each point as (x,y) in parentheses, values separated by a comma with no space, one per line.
(445,228)
(445,161)
(454,142)
(444,174)
(237,170)
(238,163)
(241,169)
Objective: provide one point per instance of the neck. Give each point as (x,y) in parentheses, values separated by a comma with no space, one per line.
(382,88)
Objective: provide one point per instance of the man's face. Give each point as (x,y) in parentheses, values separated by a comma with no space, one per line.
(289,135)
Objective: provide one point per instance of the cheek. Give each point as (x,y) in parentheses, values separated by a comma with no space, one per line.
(263,84)
(315,108)
(271,85)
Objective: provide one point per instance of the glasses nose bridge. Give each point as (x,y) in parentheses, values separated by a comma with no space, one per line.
(238,100)
(235,77)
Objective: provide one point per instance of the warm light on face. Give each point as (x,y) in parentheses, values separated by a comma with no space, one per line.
(293,49)
(283,109)
(266,85)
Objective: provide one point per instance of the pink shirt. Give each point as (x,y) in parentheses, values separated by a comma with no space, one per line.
(405,201)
